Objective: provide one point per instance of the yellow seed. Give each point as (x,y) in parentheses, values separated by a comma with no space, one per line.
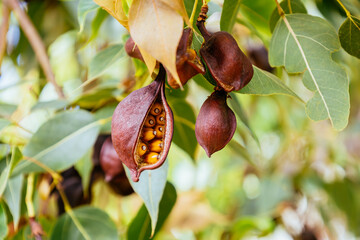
(148,134)
(160,119)
(159,129)
(156,146)
(152,157)
(156,109)
(150,121)
(142,148)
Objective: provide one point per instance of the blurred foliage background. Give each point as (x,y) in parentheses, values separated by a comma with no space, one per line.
(282,176)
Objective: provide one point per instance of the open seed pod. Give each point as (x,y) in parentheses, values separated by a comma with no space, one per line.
(132,49)
(142,127)
(188,64)
(215,124)
(228,65)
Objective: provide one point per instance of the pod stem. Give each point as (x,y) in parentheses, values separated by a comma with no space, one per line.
(161,75)
(200,22)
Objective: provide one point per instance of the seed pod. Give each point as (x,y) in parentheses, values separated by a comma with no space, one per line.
(228,65)
(109,160)
(215,124)
(188,64)
(128,128)
(132,49)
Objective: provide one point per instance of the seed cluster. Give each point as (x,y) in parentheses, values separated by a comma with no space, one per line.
(150,145)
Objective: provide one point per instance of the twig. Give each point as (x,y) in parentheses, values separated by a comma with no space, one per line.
(29,193)
(35,41)
(3,30)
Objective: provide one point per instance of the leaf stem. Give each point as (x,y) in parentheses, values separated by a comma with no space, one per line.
(36,43)
(279,8)
(57,177)
(70,212)
(29,194)
(3,30)
(193,14)
(348,14)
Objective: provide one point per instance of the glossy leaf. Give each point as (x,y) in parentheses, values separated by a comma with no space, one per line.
(140,227)
(229,14)
(115,9)
(5,174)
(151,187)
(3,223)
(304,43)
(150,23)
(97,22)
(289,7)
(184,126)
(265,83)
(12,196)
(349,34)
(84,7)
(92,222)
(105,112)
(60,142)
(104,59)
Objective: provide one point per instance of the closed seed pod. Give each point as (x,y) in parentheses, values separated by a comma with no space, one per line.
(109,160)
(128,126)
(132,49)
(228,65)
(215,124)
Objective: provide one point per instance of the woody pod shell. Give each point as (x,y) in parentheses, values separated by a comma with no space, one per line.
(128,121)
(215,124)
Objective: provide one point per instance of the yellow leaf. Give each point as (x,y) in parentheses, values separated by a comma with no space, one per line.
(149,60)
(115,9)
(156,28)
(178,6)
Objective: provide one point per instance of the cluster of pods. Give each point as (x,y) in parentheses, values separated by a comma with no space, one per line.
(142,125)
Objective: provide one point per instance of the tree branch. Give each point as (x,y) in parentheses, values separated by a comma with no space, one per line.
(3,30)
(35,41)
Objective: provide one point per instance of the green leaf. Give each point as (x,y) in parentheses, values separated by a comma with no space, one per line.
(84,7)
(54,104)
(4,123)
(304,43)
(349,34)
(104,59)
(60,142)
(265,83)
(12,197)
(99,18)
(140,227)
(7,109)
(91,222)
(84,167)
(184,126)
(3,223)
(258,13)
(151,188)
(239,111)
(228,14)
(5,174)
(103,113)
(289,6)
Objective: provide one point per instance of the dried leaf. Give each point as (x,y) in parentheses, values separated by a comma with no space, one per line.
(115,9)
(178,6)
(156,28)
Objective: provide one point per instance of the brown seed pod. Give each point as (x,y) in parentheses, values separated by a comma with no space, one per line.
(215,124)
(132,49)
(109,160)
(128,130)
(188,64)
(228,65)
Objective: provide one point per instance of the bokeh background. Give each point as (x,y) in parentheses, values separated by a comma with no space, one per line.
(282,176)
